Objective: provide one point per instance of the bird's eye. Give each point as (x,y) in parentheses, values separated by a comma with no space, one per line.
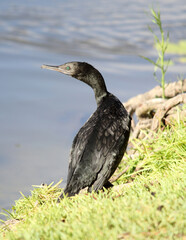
(67,68)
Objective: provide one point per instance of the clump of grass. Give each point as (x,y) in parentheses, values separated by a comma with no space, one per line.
(152,207)
(156,156)
(161,45)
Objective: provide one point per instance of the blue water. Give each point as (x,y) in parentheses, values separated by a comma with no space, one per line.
(40,110)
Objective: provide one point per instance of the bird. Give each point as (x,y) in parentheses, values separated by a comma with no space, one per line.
(100,144)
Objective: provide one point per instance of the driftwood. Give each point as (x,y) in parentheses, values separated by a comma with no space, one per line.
(146,110)
(150,109)
(173,114)
(162,111)
(171,90)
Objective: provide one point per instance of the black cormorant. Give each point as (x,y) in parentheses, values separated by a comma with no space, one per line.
(100,144)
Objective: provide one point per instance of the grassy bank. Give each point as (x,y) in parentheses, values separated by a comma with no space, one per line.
(150,205)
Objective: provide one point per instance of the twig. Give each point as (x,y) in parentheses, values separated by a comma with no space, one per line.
(113,179)
(149,106)
(161,112)
(141,125)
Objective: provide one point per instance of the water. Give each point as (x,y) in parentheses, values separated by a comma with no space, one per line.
(41,111)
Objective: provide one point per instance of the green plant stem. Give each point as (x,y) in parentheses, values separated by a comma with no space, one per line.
(161,47)
(162,63)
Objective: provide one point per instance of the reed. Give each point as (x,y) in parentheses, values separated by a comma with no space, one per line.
(161,45)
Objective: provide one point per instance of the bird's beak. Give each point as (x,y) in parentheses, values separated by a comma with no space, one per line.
(60,68)
(54,68)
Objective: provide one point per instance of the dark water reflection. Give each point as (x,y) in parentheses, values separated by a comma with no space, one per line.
(41,110)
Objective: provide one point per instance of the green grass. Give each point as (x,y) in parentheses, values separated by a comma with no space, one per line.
(151,206)
(178,48)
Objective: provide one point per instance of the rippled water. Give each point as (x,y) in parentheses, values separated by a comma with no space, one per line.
(86,28)
(41,110)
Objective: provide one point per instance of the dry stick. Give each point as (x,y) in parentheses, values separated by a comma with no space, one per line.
(141,125)
(146,107)
(113,179)
(161,112)
(171,90)
(175,115)
(148,102)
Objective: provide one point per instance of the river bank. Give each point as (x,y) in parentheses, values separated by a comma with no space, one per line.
(146,202)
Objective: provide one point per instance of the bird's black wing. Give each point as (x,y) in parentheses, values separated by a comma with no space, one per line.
(79,145)
(98,147)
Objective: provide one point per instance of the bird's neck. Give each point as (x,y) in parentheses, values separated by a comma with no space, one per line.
(97,83)
(99,95)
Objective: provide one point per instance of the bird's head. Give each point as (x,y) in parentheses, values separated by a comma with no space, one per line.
(85,73)
(77,70)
